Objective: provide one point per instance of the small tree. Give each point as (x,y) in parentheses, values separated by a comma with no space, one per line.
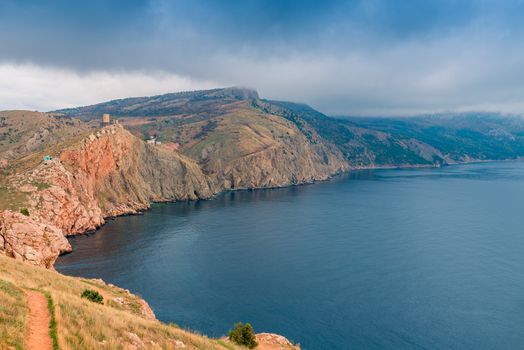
(243,335)
(92,295)
(24,211)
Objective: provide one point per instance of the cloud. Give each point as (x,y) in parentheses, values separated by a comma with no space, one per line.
(27,86)
(373,57)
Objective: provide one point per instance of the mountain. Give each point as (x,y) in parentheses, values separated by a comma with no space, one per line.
(362,142)
(208,102)
(236,144)
(193,145)
(424,140)
(65,172)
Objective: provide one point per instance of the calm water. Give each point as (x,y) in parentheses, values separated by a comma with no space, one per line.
(386,259)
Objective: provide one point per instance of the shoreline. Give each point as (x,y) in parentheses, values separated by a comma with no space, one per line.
(458,169)
(313,182)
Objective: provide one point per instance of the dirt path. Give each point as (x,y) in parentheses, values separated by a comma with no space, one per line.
(38,337)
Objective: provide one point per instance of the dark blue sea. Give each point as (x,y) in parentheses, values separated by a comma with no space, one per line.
(383,259)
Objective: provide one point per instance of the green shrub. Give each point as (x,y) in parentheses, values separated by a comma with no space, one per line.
(92,295)
(24,211)
(243,335)
(52,323)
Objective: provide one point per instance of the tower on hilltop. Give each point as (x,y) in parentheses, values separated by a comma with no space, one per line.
(106,119)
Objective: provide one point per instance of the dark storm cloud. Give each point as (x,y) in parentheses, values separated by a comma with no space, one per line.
(358,57)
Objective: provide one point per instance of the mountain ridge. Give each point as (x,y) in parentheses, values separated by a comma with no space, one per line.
(66,172)
(193,145)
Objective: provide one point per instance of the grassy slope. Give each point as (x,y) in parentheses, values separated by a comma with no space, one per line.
(25,137)
(82,324)
(26,132)
(13,316)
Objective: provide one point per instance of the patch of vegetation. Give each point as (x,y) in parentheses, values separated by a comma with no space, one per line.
(81,325)
(243,335)
(225,344)
(12,200)
(52,322)
(13,314)
(41,185)
(24,211)
(93,295)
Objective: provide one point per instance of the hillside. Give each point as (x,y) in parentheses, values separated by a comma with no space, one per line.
(193,145)
(190,118)
(237,144)
(65,173)
(123,321)
(26,132)
(424,140)
(205,102)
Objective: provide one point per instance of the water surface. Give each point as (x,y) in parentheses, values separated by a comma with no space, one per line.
(385,259)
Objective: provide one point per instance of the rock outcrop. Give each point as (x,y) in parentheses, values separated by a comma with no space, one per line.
(26,239)
(106,174)
(270,341)
(111,172)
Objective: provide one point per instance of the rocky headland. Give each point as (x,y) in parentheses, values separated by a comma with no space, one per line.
(65,172)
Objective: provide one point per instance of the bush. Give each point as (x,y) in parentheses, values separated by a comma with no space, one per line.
(92,295)
(24,211)
(243,335)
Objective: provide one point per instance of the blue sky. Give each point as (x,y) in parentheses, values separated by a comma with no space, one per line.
(375,57)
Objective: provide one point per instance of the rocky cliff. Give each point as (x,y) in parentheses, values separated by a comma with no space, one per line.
(108,173)
(204,142)
(31,241)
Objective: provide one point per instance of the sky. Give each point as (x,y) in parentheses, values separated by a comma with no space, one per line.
(343,57)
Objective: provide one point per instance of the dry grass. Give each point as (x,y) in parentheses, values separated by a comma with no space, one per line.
(11,199)
(13,316)
(240,133)
(82,324)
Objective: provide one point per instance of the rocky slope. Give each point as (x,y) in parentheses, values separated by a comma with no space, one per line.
(108,173)
(31,241)
(204,142)
(246,148)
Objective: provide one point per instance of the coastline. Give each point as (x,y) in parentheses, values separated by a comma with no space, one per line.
(143,210)
(251,208)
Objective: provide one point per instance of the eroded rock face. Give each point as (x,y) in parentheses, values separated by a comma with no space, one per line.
(26,239)
(276,167)
(66,203)
(123,175)
(106,174)
(110,174)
